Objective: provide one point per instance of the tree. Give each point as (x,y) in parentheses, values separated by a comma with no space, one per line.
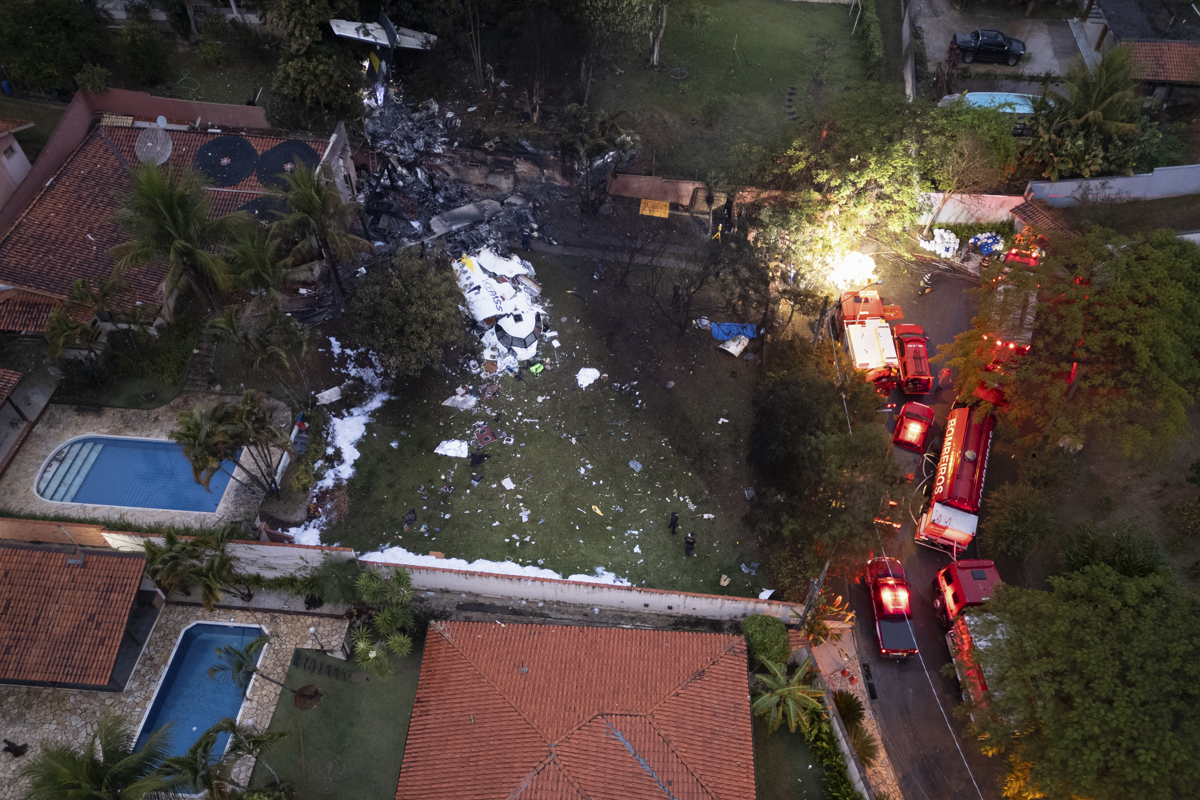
(969,150)
(1127,549)
(407,313)
(694,15)
(1114,340)
(237,665)
(593,144)
(686,286)
(46,42)
(1017,516)
(274,343)
(107,767)
(259,266)
(93,79)
(144,53)
(604,24)
(202,769)
(1104,99)
(172,565)
(317,220)
(218,434)
(778,697)
(64,332)
(766,638)
(381,619)
(167,218)
(315,71)
(1094,687)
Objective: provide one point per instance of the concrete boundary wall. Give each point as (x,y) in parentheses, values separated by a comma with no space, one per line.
(606,597)
(1162,182)
(272,560)
(970,208)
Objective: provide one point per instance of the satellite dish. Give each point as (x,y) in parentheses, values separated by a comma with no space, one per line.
(162,121)
(153,146)
(226,160)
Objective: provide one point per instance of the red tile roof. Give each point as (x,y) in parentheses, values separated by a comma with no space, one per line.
(9,125)
(29,313)
(550,712)
(1165,61)
(1042,217)
(68,231)
(63,623)
(8,381)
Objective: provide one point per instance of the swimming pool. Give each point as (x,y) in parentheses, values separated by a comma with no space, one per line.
(128,472)
(186,695)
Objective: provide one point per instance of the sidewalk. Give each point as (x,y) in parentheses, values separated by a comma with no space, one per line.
(834,657)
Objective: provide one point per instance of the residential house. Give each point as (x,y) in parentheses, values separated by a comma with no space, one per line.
(540,711)
(14,165)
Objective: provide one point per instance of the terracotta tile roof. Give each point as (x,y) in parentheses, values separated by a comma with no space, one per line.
(545,711)
(67,232)
(29,313)
(62,623)
(8,381)
(10,125)
(44,532)
(1042,217)
(1165,61)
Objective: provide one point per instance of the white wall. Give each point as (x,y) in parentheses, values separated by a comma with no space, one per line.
(971,207)
(630,599)
(265,558)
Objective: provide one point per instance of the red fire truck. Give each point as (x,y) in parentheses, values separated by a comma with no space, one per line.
(962,585)
(953,514)
(1012,329)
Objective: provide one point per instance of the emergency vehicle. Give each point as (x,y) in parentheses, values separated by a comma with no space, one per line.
(953,514)
(962,585)
(915,377)
(1012,328)
(867,334)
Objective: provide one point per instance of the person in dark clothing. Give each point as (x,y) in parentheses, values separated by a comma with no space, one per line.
(674,523)
(689,544)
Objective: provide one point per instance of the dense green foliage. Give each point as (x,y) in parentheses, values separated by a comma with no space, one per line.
(321,76)
(220,435)
(1124,312)
(766,638)
(164,355)
(1095,685)
(46,42)
(1127,549)
(823,483)
(779,697)
(93,79)
(822,743)
(143,52)
(407,313)
(1016,517)
(872,40)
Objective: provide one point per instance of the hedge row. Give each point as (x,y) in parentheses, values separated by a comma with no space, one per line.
(823,744)
(873,45)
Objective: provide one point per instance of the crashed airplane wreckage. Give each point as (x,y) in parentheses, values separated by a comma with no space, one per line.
(504,300)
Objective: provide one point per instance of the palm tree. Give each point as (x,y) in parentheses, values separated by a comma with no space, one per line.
(172,565)
(1105,100)
(241,434)
(383,619)
(237,665)
(102,299)
(107,768)
(64,333)
(167,217)
(199,769)
(787,698)
(259,266)
(318,219)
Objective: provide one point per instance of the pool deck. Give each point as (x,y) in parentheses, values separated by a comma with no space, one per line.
(61,423)
(33,715)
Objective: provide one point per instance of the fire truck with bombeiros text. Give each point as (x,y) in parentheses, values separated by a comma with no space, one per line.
(950,521)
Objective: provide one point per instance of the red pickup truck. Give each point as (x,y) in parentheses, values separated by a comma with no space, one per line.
(962,585)
(911,348)
(893,611)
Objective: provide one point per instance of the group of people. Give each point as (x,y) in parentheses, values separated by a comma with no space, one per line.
(689,541)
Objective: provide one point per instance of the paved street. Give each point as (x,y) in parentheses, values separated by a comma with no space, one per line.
(917,735)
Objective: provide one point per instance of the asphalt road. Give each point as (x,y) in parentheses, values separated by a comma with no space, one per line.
(934,759)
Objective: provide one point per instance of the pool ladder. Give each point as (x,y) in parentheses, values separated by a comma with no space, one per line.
(61,481)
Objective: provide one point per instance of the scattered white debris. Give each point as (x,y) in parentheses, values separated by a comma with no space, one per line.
(587,376)
(637,548)
(395,445)
(765,594)
(455,448)
(721,421)
(507,483)
(329,396)
(463,402)
(335,346)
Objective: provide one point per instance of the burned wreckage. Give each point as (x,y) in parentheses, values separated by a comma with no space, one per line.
(428,192)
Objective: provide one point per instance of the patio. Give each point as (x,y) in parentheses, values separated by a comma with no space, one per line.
(34,714)
(61,423)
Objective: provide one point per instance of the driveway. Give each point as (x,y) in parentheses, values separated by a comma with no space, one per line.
(1050,44)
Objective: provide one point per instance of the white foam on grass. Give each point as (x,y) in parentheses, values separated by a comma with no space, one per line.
(587,376)
(344,434)
(398,555)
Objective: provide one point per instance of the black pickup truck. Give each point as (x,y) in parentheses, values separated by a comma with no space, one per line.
(988,46)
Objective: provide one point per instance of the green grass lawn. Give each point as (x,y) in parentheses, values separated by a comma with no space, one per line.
(570,462)
(235,81)
(783,767)
(44,115)
(128,393)
(352,742)
(730,102)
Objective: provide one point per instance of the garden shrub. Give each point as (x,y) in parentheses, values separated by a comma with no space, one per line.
(137,353)
(1129,550)
(822,743)
(872,41)
(767,638)
(93,79)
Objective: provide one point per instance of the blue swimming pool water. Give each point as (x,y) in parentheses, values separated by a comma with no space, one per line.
(189,698)
(135,473)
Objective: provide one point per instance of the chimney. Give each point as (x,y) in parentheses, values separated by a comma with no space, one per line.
(75,557)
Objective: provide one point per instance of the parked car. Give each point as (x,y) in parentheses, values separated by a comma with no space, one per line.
(893,610)
(912,427)
(988,46)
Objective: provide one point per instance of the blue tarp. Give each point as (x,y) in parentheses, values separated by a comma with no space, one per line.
(723,331)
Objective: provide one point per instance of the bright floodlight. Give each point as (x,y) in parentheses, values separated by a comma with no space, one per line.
(851,271)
